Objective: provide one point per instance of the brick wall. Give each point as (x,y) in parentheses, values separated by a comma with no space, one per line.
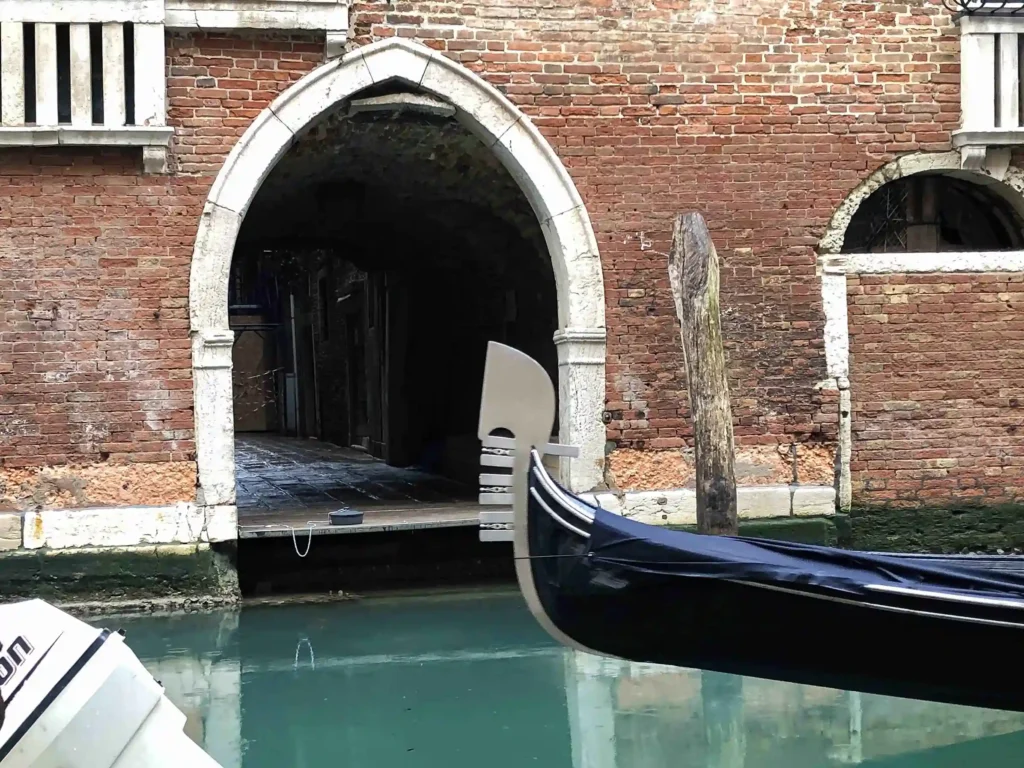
(937,379)
(95,360)
(763,115)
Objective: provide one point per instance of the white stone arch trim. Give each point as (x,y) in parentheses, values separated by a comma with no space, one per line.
(529,158)
(834,266)
(1007,182)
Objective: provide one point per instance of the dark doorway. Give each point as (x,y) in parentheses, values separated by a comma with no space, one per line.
(378,260)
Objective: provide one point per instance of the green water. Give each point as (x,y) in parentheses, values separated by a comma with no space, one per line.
(470,681)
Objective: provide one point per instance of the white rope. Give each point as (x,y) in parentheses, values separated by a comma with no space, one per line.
(312,657)
(309,542)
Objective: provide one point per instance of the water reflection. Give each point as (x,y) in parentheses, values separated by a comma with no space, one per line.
(467,680)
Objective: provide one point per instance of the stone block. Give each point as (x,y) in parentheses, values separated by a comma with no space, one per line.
(109,527)
(606,501)
(10,531)
(762,501)
(221,523)
(814,500)
(675,507)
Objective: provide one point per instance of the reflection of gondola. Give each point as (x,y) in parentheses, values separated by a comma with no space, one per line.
(932,627)
(986,751)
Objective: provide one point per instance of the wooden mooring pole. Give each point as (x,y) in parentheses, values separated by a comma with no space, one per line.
(693,273)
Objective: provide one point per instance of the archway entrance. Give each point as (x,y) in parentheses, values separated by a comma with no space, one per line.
(406,281)
(382,253)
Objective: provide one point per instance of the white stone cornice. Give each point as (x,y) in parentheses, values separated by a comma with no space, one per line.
(329,15)
(945,262)
(991,25)
(82,11)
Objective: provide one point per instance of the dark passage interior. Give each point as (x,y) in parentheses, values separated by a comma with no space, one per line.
(388,246)
(932,212)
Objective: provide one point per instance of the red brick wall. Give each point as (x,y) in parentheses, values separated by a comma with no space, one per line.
(95,360)
(937,380)
(763,115)
(217,84)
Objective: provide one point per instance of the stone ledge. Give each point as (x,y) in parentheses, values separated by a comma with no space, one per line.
(110,527)
(679,506)
(993,137)
(831,531)
(120,576)
(814,501)
(153,140)
(89,136)
(264,14)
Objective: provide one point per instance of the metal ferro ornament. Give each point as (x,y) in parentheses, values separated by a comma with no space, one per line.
(985,7)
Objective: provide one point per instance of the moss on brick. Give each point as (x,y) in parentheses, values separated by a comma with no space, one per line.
(957,529)
(118,574)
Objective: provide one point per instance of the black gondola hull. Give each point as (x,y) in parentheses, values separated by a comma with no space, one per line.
(644,594)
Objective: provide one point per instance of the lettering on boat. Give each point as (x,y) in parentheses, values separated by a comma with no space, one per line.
(13,657)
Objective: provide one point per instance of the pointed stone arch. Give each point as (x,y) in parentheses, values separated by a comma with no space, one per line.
(524,152)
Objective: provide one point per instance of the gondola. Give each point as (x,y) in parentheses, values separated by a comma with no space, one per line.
(939,628)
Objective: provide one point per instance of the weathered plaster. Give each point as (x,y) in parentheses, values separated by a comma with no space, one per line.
(834,266)
(634,470)
(528,157)
(97,485)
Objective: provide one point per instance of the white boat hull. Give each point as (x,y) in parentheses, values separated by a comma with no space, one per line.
(78,697)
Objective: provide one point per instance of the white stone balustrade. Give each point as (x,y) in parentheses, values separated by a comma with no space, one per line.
(93,72)
(992,120)
(84,73)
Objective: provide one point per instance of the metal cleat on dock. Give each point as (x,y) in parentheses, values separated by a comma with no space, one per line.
(496,486)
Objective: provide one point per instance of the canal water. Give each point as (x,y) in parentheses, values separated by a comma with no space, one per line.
(469,680)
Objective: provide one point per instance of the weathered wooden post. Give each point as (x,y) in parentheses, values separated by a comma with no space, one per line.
(693,272)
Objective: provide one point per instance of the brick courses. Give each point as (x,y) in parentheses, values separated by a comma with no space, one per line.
(763,115)
(937,380)
(95,359)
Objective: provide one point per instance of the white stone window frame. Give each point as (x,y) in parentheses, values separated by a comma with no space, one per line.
(834,267)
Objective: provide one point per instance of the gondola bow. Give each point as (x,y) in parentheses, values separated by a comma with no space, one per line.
(941,628)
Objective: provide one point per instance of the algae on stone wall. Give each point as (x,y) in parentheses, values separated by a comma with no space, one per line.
(952,530)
